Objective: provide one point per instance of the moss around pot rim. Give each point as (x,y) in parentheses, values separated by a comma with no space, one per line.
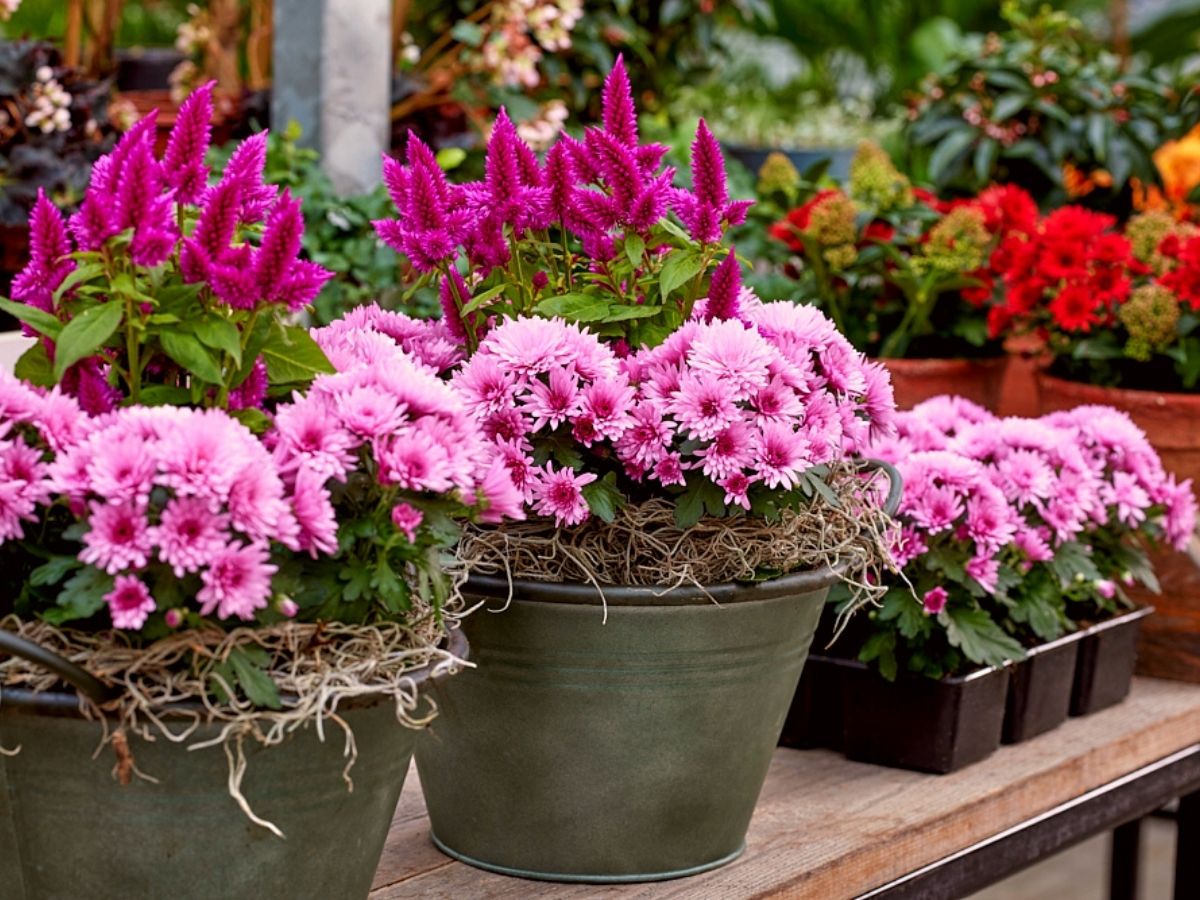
(584,593)
(67,703)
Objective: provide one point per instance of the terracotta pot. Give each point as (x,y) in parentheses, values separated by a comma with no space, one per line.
(979,380)
(1169,646)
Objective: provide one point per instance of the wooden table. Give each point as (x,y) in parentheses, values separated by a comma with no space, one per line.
(828,828)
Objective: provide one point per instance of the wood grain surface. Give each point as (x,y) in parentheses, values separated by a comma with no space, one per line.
(829,828)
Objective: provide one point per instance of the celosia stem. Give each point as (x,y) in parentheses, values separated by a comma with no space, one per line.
(562,229)
(134,374)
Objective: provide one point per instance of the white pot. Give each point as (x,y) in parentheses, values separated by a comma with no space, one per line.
(12,345)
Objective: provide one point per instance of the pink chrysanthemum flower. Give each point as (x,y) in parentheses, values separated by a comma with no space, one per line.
(129,603)
(704,405)
(559,494)
(118,538)
(189,534)
(237,582)
(407,519)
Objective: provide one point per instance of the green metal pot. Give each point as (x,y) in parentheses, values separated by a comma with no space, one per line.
(631,749)
(69,829)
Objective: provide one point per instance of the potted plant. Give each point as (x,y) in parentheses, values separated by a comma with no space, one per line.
(1114,311)
(1021,537)
(1045,106)
(53,125)
(643,636)
(906,277)
(223,543)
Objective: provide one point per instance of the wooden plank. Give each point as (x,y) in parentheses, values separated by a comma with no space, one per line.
(826,827)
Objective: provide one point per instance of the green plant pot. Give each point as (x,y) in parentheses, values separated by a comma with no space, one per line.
(70,830)
(618,750)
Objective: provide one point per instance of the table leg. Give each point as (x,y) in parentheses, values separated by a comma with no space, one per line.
(1187,848)
(1125,860)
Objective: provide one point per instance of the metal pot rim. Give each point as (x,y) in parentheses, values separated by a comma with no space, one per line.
(67,703)
(586,593)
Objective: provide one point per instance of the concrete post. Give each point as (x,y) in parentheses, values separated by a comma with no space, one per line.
(332,74)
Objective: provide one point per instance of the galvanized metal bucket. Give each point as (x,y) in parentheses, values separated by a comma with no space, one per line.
(632,750)
(69,829)
(615,745)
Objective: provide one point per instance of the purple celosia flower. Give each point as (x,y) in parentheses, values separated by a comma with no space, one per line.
(183,161)
(706,210)
(48,251)
(724,289)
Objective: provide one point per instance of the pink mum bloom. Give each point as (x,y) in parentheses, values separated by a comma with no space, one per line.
(704,405)
(730,451)
(737,486)
(781,455)
(237,582)
(934,600)
(551,405)
(129,603)
(560,494)
(413,461)
(669,470)
(502,497)
(189,534)
(118,538)
(407,519)
(314,514)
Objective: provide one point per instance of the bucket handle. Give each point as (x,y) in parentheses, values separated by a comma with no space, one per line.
(83,681)
(891,505)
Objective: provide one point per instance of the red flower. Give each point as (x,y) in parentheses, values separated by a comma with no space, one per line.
(877,230)
(1184,278)
(1007,209)
(1075,308)
(797,220)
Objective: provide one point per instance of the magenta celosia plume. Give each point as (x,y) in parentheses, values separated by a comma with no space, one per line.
(594,188)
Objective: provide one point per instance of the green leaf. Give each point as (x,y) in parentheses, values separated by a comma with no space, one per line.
(949,150)
(76,276)
(480,299)
(37,319)
(624,313)
(973,631)
(1073,563)
(604,498)
(35,367)
(85,334)
(679,269)
(254,419)
(575,307)
(293,357)
(164,395)
(255,683)
(82,596)
(188,352)
(1008,105)
(700,497)
(985,158)
(635,248)
(220,334)
(54,571)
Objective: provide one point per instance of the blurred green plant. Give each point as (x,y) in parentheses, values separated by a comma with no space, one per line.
(1046,106)
(149,23)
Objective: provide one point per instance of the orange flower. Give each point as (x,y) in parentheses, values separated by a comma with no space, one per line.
(1178,163)
(1079,183)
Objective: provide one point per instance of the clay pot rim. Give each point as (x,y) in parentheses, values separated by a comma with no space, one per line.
(941,364)
(1087,392)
